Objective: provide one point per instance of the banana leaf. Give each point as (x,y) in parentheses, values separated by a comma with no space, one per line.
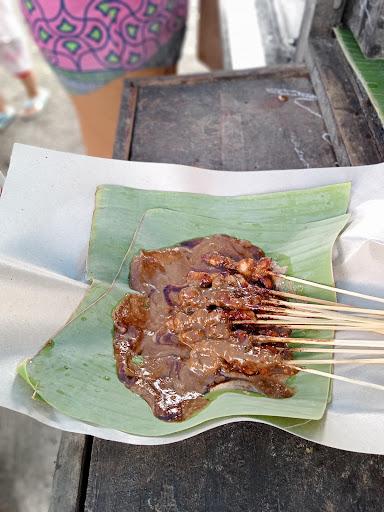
(75,371)
(369,71)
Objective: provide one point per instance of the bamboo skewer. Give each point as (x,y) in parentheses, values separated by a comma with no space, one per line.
(304,298)
(368,351)
(319,341)
(334,361)
(325,307)
(298,315)
(320,310)
(311,325)
(308,314)
(304,312)
(288,320)
(314,327)
(330,288)
(313,313)
(340,377)
(306,319)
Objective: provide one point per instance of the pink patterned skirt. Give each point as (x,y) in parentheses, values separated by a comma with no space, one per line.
(91,42)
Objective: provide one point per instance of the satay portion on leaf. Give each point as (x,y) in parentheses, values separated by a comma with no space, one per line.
(181,335)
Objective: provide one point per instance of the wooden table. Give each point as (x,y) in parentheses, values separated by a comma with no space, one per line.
(240,121)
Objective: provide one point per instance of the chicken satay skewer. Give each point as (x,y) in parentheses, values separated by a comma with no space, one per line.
(307,313)
(320,320)
(324,307)
(261,270)
(379,360)
(326,287)
(305,298)
(310,325)
(313,350)
(319,341)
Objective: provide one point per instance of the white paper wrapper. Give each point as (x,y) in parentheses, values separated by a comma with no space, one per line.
(45,218)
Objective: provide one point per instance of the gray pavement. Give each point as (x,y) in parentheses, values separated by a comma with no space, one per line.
(28,449)
(55,128)
(28,452)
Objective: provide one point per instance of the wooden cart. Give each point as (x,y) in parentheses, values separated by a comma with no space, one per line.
(274,118)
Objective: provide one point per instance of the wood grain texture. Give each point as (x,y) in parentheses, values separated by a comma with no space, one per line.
(126,121)
(249,122)
(244,467)
(328,14)
(366,20)
(71,473)
(346,114)
(281,71)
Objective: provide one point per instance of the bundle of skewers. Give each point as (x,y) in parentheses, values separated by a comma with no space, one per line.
(285,309)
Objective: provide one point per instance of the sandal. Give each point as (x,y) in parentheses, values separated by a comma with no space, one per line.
(34,106)
(7,117)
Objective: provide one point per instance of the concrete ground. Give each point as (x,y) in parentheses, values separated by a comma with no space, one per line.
(28,449)
(55,128)
(27,457)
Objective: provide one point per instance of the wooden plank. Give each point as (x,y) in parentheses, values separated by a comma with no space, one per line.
(305,29)
(345,113)
(281,71)
(71,473)
(275,48)
(366,20)
(328,14)
(264,120)
(126,122)
(240,467)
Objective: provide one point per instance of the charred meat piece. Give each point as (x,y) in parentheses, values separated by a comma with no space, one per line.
(253,270)
(175,340)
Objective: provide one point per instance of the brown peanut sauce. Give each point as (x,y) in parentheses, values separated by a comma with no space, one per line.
(175,340)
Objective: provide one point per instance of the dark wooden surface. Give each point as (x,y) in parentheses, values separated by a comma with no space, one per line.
(242,467)
(328,14)
(366,20)
(344,106)
(71,473)
(259,120)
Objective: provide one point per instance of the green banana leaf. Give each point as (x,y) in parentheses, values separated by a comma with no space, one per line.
(75,371)
(369,71)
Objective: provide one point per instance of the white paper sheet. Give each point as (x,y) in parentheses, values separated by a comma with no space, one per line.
(45,217)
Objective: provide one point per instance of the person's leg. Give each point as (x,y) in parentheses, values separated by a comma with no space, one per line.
(2,104)
(28,79)
(37,96)
(98,112)
(15,58)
